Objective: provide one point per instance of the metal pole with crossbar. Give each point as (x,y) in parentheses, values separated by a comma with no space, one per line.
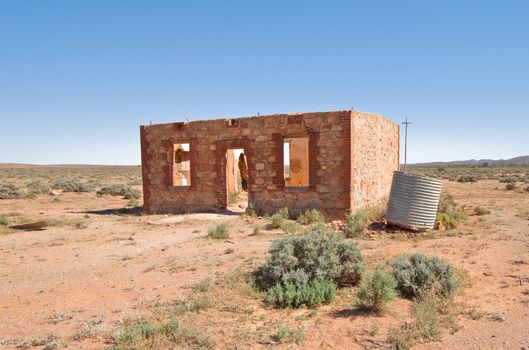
(406,123)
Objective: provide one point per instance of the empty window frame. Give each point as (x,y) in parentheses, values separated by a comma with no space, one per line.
(181,165)
(296,161)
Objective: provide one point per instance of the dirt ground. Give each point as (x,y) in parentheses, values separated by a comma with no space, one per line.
(98,264)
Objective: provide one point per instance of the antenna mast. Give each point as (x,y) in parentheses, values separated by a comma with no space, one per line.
(406,123)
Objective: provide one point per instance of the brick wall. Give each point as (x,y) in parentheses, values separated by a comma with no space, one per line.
(374,157)
(330,162)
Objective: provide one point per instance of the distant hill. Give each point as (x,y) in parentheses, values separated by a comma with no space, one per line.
(516,161)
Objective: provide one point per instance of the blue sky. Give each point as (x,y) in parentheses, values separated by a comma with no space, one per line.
(77,78)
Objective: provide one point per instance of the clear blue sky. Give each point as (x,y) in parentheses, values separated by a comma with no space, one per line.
(78,77)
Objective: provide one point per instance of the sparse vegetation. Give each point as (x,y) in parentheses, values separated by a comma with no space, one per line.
(479,211)
(311,294)
(4,220)
(289,335)
(219,231)
(233,198)
(10,191)
(466,178)
(37,187)
(510,186)
(418,274)
(144,334)
(309,265)
(120,190)
(310,216)
(449,214)
(377,290)
(357,223)
(73,186)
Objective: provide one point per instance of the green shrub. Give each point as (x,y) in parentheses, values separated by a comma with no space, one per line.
(233,197)
(288,335)
(251,209)
(466,178)
(316,256)
(311,216)
(510,186)
(144,334)
(507,180)
(479,211)
(37,187)
(310,294)
(73,186)
(418,274)
(377,290)
(356,224)
(4,220)
(120,190)
(10,191)
(219,231)
(448,213)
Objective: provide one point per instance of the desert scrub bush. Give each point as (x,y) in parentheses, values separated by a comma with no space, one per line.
(289,335)
(377,290)
(251,209)
(233,197)
(466,178)
(479,211)
(448,213)
(120,190)
(73,186)
(510,186)
(311,294)
(4,220)
(356,224)
(418,274)
(10,191)
(317,256)
(279,218)
(145,334)
(506,180)
(425,327)
(311,216)
(219,231)
(37,187)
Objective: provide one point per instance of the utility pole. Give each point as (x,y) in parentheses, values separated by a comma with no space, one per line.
(406,123)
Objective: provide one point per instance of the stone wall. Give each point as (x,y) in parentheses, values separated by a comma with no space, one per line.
(375,156)
(330,162)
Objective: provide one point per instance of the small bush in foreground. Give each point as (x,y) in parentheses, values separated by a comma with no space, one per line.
(377,290)
(279,218)
(425,328)
(357,223)
(120,190)
(479,211)
(219,231)
(10,191)
(311,216)
(144,334)
(418,274)
(316,256)
(288,335)
(510,186)
(310,295)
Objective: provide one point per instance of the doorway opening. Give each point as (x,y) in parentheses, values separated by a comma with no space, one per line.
(236,180)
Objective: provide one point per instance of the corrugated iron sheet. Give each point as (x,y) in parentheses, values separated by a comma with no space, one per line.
(413,200)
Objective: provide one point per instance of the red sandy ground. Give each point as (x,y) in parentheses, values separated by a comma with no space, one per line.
(54,281)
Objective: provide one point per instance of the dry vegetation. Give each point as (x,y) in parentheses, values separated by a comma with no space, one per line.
(105,276)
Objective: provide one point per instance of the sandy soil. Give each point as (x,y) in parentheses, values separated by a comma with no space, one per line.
(100,264)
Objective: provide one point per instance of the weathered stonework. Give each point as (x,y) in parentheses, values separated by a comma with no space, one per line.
(352,156)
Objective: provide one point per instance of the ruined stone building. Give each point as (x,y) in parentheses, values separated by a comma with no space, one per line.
(335,162)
